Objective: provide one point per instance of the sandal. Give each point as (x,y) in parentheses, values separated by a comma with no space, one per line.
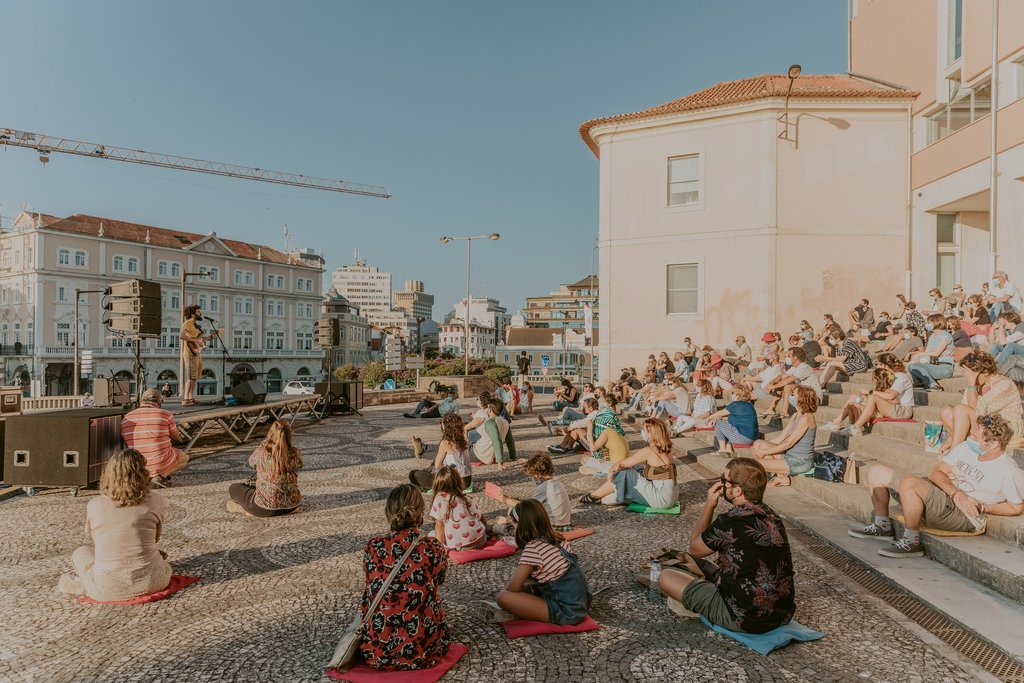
(781,480)
(588,499)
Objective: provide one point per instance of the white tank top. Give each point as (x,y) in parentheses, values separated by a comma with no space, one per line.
(460,461)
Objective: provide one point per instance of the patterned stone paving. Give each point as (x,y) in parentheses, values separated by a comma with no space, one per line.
(276,593)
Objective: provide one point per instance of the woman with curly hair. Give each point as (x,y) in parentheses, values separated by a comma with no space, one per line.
(277,464)
(792,451)
(453,451)
(987,393)
(125,522)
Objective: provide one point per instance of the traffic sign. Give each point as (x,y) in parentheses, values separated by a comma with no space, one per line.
(389,385)
(413,362)
(545,360)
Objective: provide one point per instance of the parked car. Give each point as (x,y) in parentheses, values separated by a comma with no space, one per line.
(298,387)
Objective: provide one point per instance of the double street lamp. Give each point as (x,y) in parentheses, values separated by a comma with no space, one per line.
(469,242)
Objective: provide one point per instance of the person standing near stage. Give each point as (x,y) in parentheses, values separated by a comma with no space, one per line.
(149,430)
(191,352)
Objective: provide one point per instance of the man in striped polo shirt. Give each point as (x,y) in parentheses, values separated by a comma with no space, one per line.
(149,429)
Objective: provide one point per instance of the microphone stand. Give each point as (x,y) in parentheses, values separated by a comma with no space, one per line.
(223,360)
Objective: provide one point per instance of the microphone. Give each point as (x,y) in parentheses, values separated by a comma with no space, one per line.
(209,319)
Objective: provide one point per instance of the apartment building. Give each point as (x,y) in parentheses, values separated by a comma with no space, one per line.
(484,311)
(452,339)
(365,286)
(944,50)
(564,308)
(267,302)
(353,330)
(415,300)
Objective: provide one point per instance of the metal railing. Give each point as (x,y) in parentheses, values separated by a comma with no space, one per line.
(42,403)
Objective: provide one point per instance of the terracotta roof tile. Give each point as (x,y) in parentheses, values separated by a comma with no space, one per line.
(756,88)
(82,224)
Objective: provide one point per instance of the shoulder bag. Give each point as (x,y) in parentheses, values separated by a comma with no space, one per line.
(345,653)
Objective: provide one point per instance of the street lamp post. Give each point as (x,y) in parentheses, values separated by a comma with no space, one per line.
(469,257)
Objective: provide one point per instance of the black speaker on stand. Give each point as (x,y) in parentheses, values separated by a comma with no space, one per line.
(249,392)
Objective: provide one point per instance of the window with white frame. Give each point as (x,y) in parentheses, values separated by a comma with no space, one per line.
(238,305)
(30,335)
(684,180)
(119,264)
(248,278)
(80,260)
(238,277)
(133,265)
(683,288)
(5,261)
(270,280)
(241,340)
(17,294)
(280,281)
(63,334)
(303,341)
(161,269)
(119,343)
(17,332)
(63,257)
(214,303)
(275,341)
(175,270)
(3,295)
(965,106)
(169,338)
(201,302)
(954,30)
(175,301)
(3,334)
(62,294)
(947,251)
(248,306)
(214,274)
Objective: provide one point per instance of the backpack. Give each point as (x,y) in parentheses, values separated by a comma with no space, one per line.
(831,467)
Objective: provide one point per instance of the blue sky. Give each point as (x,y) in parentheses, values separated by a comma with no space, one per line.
(466,111)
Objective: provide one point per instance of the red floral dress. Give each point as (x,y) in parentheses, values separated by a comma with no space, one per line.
(408,630)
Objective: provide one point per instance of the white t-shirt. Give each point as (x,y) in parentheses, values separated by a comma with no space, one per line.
(769,374)
(904,386)
(462,524)
(682,399)
(460,460)
(1009,289)
(553,495)
(704,404)
(806,377)
(989,482)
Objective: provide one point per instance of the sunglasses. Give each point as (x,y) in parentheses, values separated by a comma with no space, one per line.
(985,421)
(726,483)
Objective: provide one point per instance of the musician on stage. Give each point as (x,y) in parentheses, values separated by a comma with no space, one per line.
(191,352)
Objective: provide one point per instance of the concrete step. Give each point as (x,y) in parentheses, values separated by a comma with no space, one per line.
(990,614)
(987,560)
(905,457)
(866,376)
(947,397)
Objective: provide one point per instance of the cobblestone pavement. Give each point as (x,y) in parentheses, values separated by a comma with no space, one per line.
(276,593)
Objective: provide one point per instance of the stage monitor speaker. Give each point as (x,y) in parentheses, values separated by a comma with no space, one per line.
(135,288)
(134,324)
(60,447)
(351,392)
(111,392)
(136,306)
(250,392)
(10,400)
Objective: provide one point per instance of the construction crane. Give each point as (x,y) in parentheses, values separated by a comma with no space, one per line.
(46,145)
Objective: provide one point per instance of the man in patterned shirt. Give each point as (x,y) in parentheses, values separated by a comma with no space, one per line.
(751,590)
(149,429)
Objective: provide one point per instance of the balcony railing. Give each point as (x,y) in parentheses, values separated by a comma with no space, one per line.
(68,352)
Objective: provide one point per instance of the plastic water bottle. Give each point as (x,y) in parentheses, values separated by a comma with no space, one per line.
(653,592)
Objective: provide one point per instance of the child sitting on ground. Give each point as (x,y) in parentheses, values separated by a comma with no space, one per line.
(547,585)
(550,492)
(457,520)
(453,451)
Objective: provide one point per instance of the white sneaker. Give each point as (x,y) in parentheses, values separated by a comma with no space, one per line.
(830,426)
(489,612)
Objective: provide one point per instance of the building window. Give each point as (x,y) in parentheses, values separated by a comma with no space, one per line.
(280,282)
(201,302)
(954,30)
(133,265)
(5,262)
(63,334)
(175,270)
(169,338)
(248,306)
(214,303)
(63,257)
(947,253)
(238,277)
(214,274)
(241,340)
(683,291)
(79,259)
(966,105)
(303,341)
(275,341)
(684,180)
(270,281)
(238,305)
(161,269)
(175,301)
(119,264)
(248,278)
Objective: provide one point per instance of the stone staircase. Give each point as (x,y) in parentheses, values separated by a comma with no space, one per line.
(992,564)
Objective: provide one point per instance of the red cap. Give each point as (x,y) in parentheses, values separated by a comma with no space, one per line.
(768,337)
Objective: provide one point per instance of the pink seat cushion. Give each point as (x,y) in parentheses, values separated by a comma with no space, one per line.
(704,429)
(360,673)
(177,583)
(890,419)
(743,445)
(576,533)
(491,550)
(522,628)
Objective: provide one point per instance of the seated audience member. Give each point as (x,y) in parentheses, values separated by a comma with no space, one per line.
(792,451)
(753,592)
(904,345)
(962,344)
(812,349)
(509,395)
(682,367)
(548,584)
(892,397)
(420,638)
(477,419)
(526,395)
(125,522)
(975,479)
(663,366)
(1003,295)
(427,408)
(936,361)
(883,328)
(606,439)
(719,373)
(149,429)
(550,492)
(849,358)
(739,354)
(670,403)
(689,352)
(987,393)
(956,301)
(277,464)
(797,374)
(911,317)
(736,423)
(452,451)
(704,405)
(627,387)
(566,395)
(976,320)
(647,477)
(757,382)
(495,437)
(1009,337)
(769,346)
(806,332)
(576,432)
(571,414)
(936,302)
(458,523)
(862,317)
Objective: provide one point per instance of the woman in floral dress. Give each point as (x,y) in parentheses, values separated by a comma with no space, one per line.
(408,631)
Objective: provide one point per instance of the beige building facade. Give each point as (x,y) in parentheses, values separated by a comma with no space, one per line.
(563,308)
(944,50)
(353,330)
(736,210)
(266,301)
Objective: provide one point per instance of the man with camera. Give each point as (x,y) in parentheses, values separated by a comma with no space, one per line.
(751,589)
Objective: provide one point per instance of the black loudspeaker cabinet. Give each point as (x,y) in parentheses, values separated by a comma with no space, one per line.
(111,392)
(61,447)
(3,427)
(250,392)
(10,400)
(352,391)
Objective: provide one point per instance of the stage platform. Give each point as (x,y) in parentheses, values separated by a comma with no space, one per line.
(239,422)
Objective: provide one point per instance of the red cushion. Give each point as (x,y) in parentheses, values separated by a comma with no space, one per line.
(177,583)
(478,464)
(492,549)
(890,419)
(361,673)
(704,429)
(741,445)
(576,533)
(522,628)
